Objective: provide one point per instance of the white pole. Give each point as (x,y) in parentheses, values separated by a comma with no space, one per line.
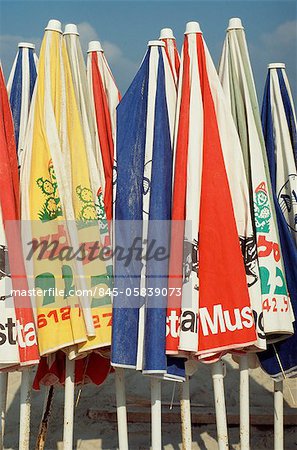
(3,400)
(185,409)
(69,405)
(219,396)
(244,403)
(25,409)
(121,408)
(278,416)
(156,414)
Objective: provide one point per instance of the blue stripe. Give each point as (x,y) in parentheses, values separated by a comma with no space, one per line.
(159,216)
(131,135)
(289,112)
(33,72)
(285,349)
(16,96)
(131,188)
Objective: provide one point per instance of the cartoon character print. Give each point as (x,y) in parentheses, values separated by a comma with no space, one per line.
(262,209)
(101,212)
(191,262)
(287,198)
(146,182)
(249,252)
(4,268)
(88,211)
(49,187)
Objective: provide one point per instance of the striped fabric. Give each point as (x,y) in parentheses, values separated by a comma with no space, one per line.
(171,51)
(215,308)
(56,187)
(238,84)
(79,77)
(104,97)
(279,127)
(23,327)
(20,88)
(145,124)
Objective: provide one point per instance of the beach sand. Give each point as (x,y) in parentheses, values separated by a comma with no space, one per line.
(92,434)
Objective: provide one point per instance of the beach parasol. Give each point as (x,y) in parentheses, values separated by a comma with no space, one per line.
(148,96)
(279,127)
(20,88)
(58,198)
(52,369)
(9,352)
(200,92)
(105,97)
(236,76)
(145,126)
(10,206)
(166,35)
(202,102)
(41,197)
(78,71)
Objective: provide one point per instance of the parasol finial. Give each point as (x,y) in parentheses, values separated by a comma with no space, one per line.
(54,25)
(95,46)
(235,24)
(71,28)
(166,33)
(193,27)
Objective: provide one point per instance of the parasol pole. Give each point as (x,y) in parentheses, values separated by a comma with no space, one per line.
(3,401)
(185,409)
(156,413)
(278,416)
(244,403)
(121,408)
(219,396)
(25,409)
(69,405)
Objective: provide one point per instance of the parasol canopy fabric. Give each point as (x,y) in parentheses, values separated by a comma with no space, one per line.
(57,199)
(145,127)
(215,308)
(166,35)
(79,77)
(93,368)
(9,351)
(20,88)
(279,127)
(23,327)
(105,97)
(238,84)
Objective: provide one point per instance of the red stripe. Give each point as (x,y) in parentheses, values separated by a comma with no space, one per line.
(9,173)
(175,70)
(177,60)
(222,278)
(10,206)
(104,132)
(179,199)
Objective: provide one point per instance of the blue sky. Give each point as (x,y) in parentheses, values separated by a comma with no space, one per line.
(124,27)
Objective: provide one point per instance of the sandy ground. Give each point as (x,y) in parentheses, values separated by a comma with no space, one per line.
(91,434)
